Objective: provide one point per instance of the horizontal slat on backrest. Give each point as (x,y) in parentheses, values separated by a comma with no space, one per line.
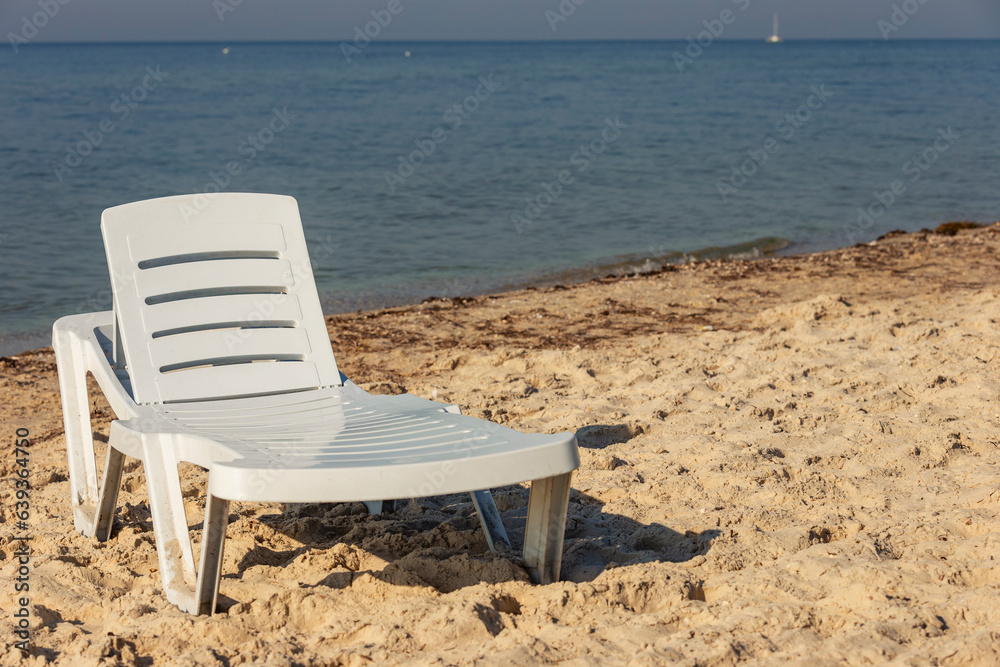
(218,382)
(220,345)
(222,237)
(245,309)
(232,262)
(230,274)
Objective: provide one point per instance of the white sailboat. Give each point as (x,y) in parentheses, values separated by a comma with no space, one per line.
(774,39)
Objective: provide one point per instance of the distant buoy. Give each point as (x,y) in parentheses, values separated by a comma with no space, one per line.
(225,51)
(407,54)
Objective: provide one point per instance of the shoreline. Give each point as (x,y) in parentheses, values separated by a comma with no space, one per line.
(16,343)
(22,342)
(800,277)
(780,458)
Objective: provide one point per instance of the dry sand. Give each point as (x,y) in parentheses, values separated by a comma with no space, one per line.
(788,460)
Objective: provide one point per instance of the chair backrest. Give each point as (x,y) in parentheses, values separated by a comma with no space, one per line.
(214,298)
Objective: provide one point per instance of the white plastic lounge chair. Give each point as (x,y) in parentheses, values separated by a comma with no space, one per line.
(216,353)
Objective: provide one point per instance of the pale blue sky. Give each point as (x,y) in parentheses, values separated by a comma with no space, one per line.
(198,20)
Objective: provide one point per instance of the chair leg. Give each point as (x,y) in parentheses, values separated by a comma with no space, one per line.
(380,506)
(166,504)
(108,498)
(489,516)
(212,544)
(490,519)
(543,536)
(76,423)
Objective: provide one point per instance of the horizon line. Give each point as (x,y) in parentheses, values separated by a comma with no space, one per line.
(506,41)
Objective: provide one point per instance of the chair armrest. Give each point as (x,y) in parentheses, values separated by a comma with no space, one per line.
(77,341)
(90,337)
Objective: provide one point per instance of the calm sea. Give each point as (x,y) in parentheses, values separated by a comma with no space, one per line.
(453,168)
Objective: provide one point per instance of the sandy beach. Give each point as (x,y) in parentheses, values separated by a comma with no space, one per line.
(784,461)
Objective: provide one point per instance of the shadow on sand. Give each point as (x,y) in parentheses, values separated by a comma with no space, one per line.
(438,542)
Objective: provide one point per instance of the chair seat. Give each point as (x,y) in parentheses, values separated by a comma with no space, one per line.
(350,444)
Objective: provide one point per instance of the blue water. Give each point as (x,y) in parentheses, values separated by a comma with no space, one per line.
(648,188)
